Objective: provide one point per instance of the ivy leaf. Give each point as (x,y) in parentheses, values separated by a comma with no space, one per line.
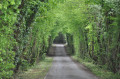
(0,6)
(1,59)
(12,2)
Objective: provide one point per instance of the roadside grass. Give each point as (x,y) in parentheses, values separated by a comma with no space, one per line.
(95,69)
(37,71)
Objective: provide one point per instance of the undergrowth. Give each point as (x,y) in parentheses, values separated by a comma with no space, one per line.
(99,71)
(37,71)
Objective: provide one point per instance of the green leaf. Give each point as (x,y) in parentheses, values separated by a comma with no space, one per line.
(12,2)
(0,6)
(1,59)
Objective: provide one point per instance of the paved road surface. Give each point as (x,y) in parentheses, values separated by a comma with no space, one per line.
(64,68)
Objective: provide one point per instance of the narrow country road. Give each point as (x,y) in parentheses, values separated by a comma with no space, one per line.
(64,68)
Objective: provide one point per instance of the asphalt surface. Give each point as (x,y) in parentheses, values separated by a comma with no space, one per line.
(64,68)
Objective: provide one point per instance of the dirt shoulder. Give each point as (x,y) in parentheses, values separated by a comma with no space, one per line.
(37,71)
(83,67)
(80,65)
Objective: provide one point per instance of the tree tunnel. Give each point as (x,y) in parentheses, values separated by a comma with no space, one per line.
(60,39)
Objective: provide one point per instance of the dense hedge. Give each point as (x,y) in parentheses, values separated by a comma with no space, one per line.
(26,32)
(28,27)
(93,29)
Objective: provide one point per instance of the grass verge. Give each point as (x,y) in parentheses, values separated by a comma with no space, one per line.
(38,71)
(100,72)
